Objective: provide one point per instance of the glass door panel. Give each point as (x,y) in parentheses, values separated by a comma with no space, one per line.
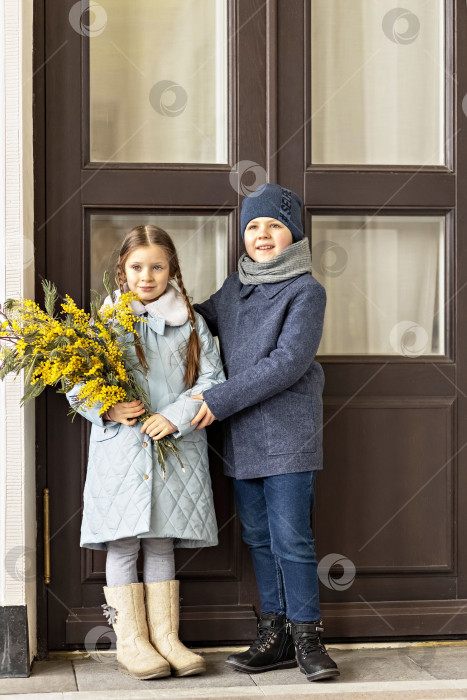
(201,242)
(377,82)
(385,283)
(158,82)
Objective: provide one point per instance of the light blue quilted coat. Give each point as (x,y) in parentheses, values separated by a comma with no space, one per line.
(124,493)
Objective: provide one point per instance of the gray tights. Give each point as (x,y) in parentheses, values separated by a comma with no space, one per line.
(159,563)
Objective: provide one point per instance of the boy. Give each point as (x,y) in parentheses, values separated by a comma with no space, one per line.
(269,320)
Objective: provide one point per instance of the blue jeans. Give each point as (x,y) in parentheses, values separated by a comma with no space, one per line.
(275,513)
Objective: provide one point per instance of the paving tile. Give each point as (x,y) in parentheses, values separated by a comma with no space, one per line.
(437,694)
(92,675)
(286,676)
(395,690)
(406,673)
(370,665)
(198,694)
(357,666)
(51,676)
(431,690)
(223,694)
(441,662)
(35,696)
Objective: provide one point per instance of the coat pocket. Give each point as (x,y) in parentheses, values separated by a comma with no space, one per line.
(289,423)
(107,433)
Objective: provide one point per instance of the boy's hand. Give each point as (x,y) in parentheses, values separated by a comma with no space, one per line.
(205,415)
(125,413)
(158,427)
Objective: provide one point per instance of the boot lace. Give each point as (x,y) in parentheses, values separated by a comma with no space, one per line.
(266,637)
(309,643)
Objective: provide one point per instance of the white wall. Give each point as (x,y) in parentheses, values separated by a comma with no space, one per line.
(17,439)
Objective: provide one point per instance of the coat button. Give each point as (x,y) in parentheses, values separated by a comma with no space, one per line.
(145,444)
(145,476)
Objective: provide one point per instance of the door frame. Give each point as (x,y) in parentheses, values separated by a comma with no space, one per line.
(359,189)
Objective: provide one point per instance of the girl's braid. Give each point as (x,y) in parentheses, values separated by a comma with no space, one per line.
(193,352)
(181,286)
(120,276)
(153,235)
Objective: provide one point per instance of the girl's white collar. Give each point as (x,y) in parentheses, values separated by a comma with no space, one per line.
(170,306)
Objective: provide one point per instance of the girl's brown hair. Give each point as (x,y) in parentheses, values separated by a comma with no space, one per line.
(153,235)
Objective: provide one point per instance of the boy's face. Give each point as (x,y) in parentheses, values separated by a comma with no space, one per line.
(265,238)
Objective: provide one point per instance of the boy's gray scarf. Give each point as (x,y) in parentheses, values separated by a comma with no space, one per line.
(291,262)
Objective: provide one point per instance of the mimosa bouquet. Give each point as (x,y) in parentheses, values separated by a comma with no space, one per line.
(73,348)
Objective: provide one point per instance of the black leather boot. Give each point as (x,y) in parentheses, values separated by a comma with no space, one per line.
(312,656)
(273,649)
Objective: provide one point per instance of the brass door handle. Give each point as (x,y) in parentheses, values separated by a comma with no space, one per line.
(46,537)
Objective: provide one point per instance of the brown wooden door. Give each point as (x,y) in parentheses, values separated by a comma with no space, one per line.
(389,523)
(389,519)
(99,181)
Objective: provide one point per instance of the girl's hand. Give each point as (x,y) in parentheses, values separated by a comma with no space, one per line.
(205,415)
(126,413)
(158,427)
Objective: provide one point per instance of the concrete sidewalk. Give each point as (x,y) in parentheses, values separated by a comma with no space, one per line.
(425,671)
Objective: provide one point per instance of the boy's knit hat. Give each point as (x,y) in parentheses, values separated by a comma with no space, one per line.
(275,202)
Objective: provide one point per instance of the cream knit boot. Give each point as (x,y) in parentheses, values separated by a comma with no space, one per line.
(135,655)
(163,608)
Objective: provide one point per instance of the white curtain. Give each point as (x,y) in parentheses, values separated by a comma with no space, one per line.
(135,115)
(384,282)
(377,82)
(201,243)
(377,89)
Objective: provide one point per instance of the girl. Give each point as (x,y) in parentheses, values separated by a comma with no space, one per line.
(126,501)
(269,319)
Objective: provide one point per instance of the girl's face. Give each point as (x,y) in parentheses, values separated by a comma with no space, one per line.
(265,238)
(147,272)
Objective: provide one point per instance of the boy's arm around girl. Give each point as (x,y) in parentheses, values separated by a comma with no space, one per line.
(298,340)
(182,410)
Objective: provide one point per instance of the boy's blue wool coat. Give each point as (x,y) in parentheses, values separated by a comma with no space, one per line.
(271,405)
